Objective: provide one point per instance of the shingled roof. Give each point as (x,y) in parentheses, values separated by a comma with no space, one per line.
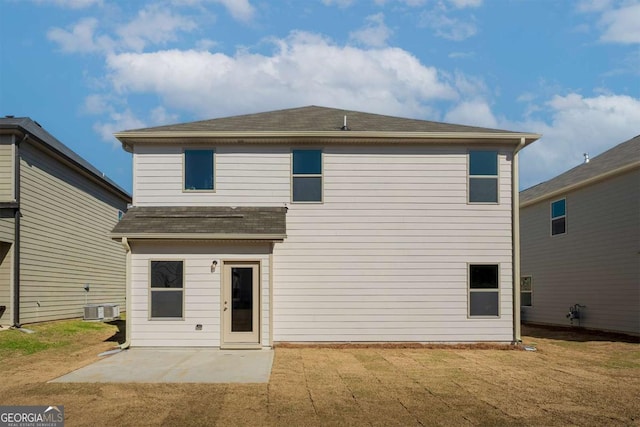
(314,118)
(203,222)
(318,125)
(621,157)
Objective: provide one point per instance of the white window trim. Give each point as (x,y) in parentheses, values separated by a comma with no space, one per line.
(529,291)
(558,217)
(308,175)
(166,289)
(184,170)
(469,291)
(496,177)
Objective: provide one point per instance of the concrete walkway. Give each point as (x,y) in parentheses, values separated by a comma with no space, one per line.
(180,365)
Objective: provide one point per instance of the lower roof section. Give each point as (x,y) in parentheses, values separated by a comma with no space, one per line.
(203,222)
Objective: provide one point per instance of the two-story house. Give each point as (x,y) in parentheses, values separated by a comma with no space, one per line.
(56,213)
(321,225)
(581,244)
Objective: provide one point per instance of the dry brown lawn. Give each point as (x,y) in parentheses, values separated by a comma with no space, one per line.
(573,379)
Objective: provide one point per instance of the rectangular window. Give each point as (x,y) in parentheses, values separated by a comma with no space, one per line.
(525,291)
(483,177)
(307,176)
(559,217)
(167,289)
(484,291)
(198,170)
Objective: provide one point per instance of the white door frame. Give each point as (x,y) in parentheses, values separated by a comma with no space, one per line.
(240,340)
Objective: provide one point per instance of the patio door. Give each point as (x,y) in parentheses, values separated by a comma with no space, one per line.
(241,305)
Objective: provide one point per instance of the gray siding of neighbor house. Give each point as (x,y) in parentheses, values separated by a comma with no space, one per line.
(65,243)
(596,263)
(6,168)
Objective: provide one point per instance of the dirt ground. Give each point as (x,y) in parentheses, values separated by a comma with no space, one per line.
(572,379)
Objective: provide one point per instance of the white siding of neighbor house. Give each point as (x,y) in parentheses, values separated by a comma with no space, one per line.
(596,263)
(6,288)
(6,168)
(202,304)
(383,258)
(65,243)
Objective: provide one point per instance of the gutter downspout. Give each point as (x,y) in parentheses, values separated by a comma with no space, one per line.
(127,342)
(515,225)
(16,233)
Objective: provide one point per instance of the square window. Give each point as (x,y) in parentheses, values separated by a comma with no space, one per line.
(307,176)
(526,290)
(483,177)
(559,217)
(484,293)
(166,289)
(198,170)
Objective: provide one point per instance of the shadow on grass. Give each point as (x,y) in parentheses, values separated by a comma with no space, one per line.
(120,336)
(575,333)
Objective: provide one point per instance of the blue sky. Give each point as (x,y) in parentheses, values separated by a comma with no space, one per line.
(84,69)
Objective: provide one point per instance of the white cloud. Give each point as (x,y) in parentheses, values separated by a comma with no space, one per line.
(239,9)
(153,25)
(160,116)
(577,125)
(395,82)
(446,27)
(71,4)
(461,4)
(374,34)
(622,25)
(80,38)
(118,121)
(593,5)
(339,3)
(473,113)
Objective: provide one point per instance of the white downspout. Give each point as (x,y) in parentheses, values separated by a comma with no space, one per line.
(127,342)
(515,215)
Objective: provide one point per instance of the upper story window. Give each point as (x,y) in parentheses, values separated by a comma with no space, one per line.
(484,292)
(483,177)
(307,176)
(559,217)
(167,290)
(199,170)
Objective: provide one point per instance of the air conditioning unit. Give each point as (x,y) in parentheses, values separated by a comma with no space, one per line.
(93,312)
(111,311)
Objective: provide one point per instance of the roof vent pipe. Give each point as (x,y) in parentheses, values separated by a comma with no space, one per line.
(344,125)
(586,157)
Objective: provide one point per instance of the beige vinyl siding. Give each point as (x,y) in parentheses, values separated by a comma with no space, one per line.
(6,168)
(596,263)
(383,258)
(244,176)
(7,228)
(6,283)
(65,242)
(201,291)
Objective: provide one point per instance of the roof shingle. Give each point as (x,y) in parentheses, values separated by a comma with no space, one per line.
(624,154)
(205,221)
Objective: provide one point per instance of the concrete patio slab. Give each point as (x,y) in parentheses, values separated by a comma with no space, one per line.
(179,365)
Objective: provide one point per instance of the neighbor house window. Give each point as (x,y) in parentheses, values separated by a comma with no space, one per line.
(167,289)
(559,217)
(120,215)
(525,291)
(483,290)
(307,176)
(198,170)
(483,177)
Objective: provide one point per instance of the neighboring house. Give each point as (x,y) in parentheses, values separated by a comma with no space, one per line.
(56,212)
(321,225)
(581,244)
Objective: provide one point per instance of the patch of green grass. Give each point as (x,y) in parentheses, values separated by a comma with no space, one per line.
(48,335)
(623,360)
